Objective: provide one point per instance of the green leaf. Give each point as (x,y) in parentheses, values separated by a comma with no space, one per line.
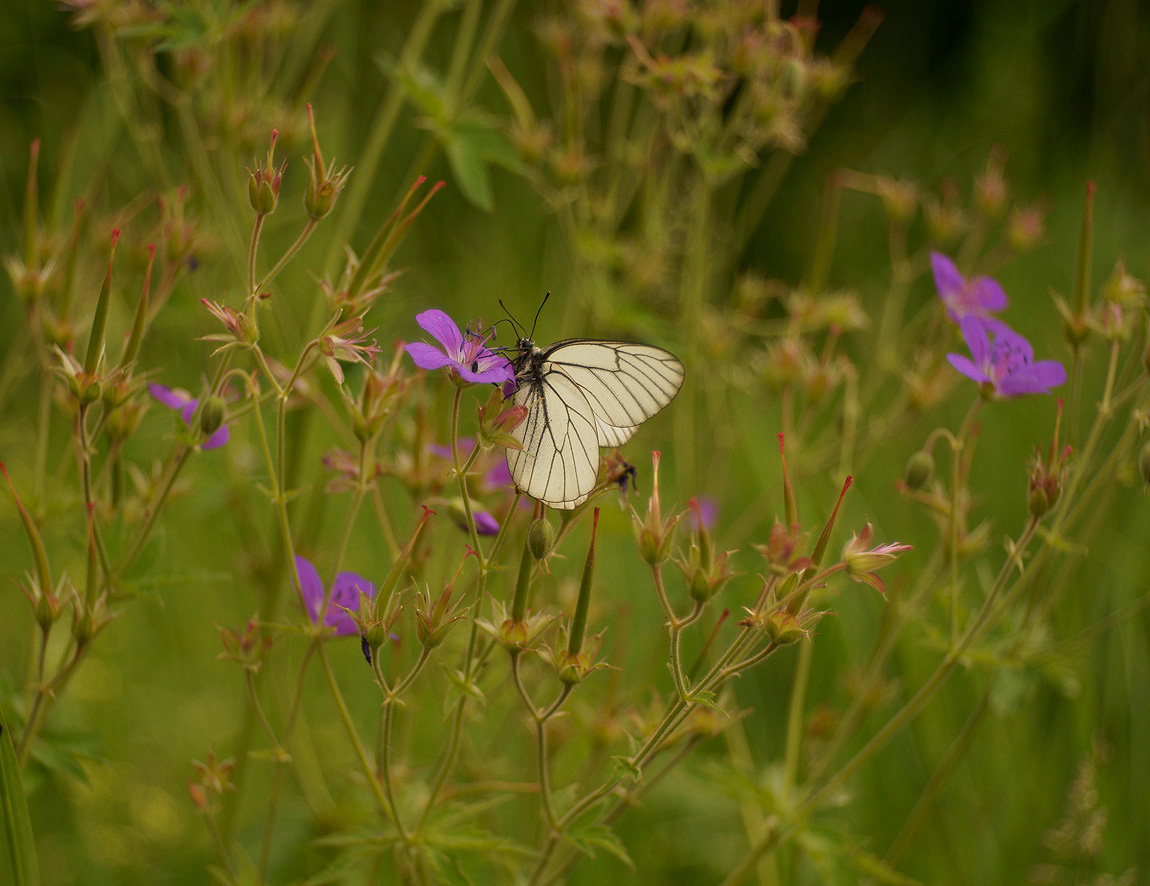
(706,699)
(624,766)
(472,142)
(588,838)
(466,150)
(422,86)
(64,752)
(17,846)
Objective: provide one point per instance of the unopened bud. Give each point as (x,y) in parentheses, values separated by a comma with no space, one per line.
(213,415)
(540,538)
(1038,503)
(783,628)
(919,470)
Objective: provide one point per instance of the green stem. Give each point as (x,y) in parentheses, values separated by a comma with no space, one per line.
(287,256)
(253,249)
(386,736)
(795,717)
(357,746)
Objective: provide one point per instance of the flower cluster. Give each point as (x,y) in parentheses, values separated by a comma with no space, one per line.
(1001,360)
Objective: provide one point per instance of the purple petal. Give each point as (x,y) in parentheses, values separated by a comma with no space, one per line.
(428,356)
(947,279)
(1007,340)
(1037,378)
(218,438)
(995,327)
(963,365)
(975,334)
(466,444)
(708,510)
(1051,372)
(188,412)
(170,398)
(989,294)
(443,329)
(345,592)
(499,476)
(485,524)
(488,367)
(310,586)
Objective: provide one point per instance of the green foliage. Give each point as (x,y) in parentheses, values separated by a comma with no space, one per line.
(17,848)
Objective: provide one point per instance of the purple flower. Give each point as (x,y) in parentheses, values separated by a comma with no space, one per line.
(344,593)
(464,354)
(978,297)
(485,524)
(1004,366)
(174,398)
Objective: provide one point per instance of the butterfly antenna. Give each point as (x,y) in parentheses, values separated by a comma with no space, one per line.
(546,296)
(511,319)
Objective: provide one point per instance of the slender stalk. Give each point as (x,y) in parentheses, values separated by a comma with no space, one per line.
(373,780)
(287,256)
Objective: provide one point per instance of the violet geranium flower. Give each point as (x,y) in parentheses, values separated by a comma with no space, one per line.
(344,593)
(1004,365)
(463,354)
(977,297)
(175,398)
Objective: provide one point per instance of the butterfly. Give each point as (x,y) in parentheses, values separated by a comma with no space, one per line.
(581,394)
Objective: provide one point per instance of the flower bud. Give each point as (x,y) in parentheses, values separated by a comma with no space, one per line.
(1123,288)
(433,622)
(87,619)
(540,538)
(1025,228)
(1038,503)
(246,646)
(783,627)
(323,186)
(919,470)
(375,634)
(899,198)
(264,182)
(213,414)
(572,667)
(945,220)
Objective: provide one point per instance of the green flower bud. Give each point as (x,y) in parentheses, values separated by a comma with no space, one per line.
(540,538)
(1038,503)
(919,470)
(375,634)
(213,415)
(784,628)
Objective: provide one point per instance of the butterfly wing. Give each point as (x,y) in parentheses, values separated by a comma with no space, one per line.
(559,461)
(624,383)
(581,395)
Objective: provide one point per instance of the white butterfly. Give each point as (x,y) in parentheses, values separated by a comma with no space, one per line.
(581,394)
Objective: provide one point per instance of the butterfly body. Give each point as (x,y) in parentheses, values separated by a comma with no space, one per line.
(581,394)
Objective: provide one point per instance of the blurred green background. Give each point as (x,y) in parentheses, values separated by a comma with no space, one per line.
(1063,87)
